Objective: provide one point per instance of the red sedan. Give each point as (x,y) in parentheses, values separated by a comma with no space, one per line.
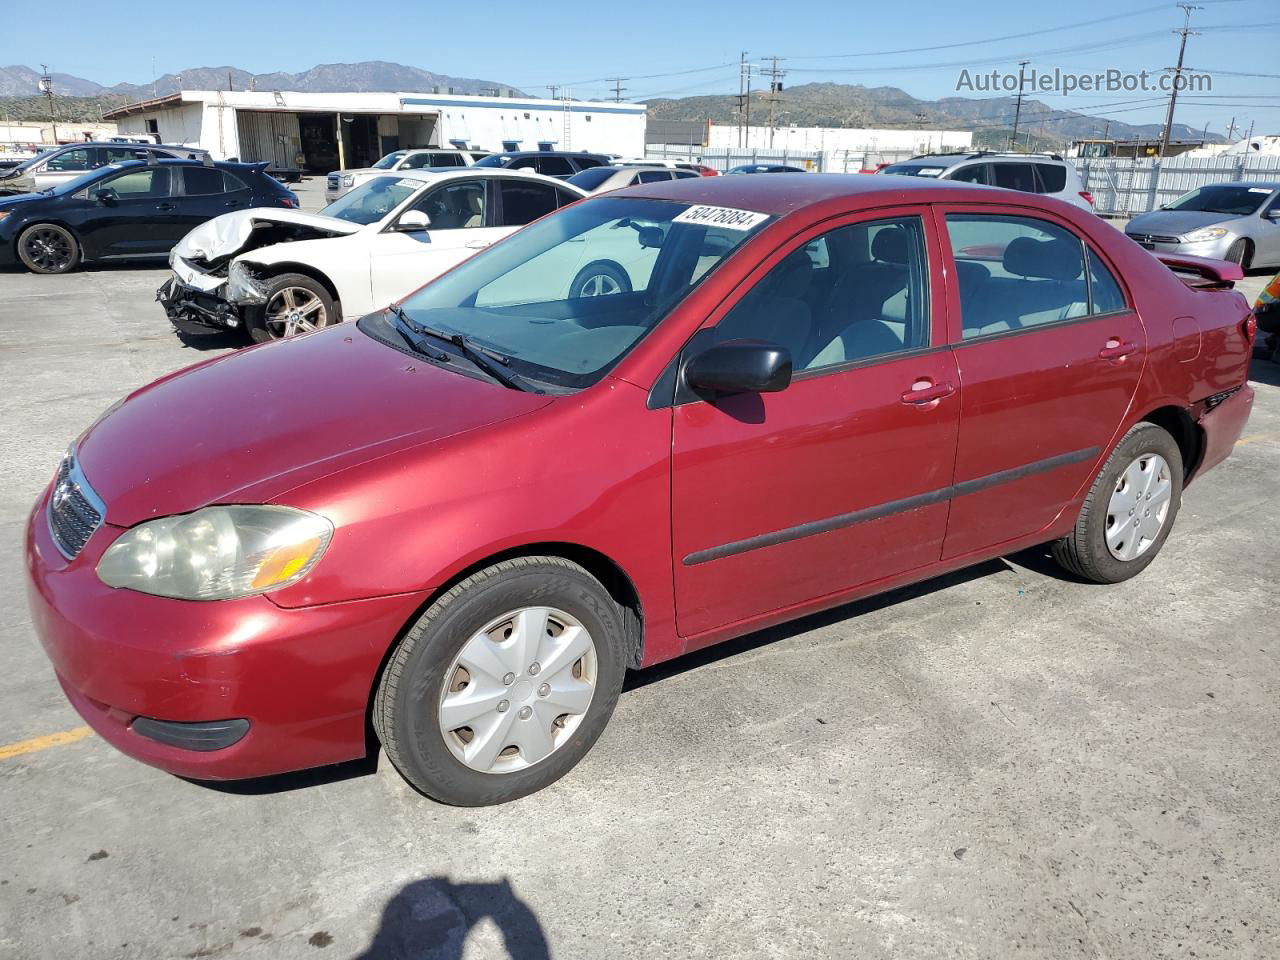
(800,390)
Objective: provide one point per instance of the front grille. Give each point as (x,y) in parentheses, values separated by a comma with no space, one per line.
(75,511)
(1152,238)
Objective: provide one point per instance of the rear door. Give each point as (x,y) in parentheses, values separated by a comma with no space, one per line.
(205,195)
(842,479)
(1049,359)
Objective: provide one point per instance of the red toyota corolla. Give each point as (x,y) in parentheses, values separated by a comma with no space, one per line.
(466,517)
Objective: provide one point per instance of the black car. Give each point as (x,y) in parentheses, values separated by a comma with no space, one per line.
(765,168)
(128,210)
(562,164)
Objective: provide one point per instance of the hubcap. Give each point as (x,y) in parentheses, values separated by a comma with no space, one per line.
(1139,507)
(517,690)
(599,285)
(48,249)
(294,310)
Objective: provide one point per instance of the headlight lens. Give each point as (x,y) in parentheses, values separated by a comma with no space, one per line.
(217,553)
(4,213)
(243,286)
(1208,233)
(348,180)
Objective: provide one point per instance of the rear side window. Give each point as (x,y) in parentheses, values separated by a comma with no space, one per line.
(654,176)
(231,183)
(1014,176)
(1016,272)
(1106,295)
(524,202)
(446,160)
(1052,178)
(201,181)
(566,198)
(586,163)
(682,174)
(555,166)
(977,173)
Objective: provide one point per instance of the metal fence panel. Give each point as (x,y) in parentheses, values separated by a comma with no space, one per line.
(1129,186)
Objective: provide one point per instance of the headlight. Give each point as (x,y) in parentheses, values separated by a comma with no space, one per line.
(4,213)
(217,553)
(1208,233)
(243,286)
(348,180)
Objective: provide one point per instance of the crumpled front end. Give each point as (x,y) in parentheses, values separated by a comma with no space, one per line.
(195,300)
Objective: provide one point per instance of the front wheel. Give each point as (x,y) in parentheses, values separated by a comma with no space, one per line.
(48,248)
(1129,511)
(1241,252)
(295,304)
(600,279)
(505,682)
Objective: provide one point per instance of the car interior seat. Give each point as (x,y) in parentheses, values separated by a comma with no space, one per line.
(1045,284)
(853,322)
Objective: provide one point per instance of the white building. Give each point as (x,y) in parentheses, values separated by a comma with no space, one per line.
(842,148)
(320,132)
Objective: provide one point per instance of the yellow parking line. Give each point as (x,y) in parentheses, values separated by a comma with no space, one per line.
(1256,438)
(44,743)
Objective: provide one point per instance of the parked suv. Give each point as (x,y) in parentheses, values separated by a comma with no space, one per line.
(427,158)
(61,164)
(1045,173)
(549,163)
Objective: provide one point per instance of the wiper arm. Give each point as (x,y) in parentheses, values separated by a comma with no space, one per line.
(403,323)
(486,360)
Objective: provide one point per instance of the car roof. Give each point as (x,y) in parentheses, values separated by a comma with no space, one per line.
(127,145)
(436,174)
(783,193)
(517,154)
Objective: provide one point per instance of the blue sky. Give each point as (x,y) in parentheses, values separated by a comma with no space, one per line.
(521,44)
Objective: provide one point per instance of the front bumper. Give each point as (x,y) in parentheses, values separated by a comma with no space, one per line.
(196,311)
(301,678)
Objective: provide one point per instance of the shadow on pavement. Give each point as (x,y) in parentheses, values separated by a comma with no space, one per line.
(1263,371)
(430,919)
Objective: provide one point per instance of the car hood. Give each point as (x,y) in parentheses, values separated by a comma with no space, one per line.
(9,203)
(355,170)
(225,235)
(1174,223)
(247,427)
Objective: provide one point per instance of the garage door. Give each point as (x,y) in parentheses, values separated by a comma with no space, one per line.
(273,137)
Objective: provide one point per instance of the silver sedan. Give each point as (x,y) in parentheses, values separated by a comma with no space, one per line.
(1239,222)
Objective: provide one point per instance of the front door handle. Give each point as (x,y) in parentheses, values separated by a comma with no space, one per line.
(164,206)
(233,203)
(478,244)
(1116,349)
(924,392)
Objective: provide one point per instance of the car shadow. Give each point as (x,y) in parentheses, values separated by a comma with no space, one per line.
(213,340)
(1264,371)
(431,918)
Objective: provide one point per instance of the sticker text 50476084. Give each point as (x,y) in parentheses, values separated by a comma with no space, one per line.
(726,217)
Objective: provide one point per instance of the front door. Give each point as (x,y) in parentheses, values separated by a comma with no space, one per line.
(136,217)
(842,478)
(1049,356)
(461,223)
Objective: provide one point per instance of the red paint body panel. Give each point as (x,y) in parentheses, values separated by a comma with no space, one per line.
(426,474)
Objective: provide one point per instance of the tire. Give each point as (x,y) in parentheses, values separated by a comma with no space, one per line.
(271,320)
(1241,252)
(1106,546)
(429,672)
(48,248)
(601,278)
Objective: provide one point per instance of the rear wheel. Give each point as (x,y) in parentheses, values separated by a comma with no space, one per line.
(48,248)
(295,304)
(1129,511)
(505,682)
(1241,252)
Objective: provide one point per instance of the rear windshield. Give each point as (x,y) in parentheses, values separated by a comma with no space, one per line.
(914,170)
(1236,199)
(590,179)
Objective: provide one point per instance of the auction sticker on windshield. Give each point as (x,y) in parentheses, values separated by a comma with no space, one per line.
(726,217)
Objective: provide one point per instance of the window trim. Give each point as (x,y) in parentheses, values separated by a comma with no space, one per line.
(955,323)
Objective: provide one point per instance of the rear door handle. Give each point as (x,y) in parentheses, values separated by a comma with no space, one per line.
(478,244)
(164,206)
(924,392)
(1117,350)
(233,203)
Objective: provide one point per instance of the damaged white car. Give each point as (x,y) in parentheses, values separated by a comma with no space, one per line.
(277,273)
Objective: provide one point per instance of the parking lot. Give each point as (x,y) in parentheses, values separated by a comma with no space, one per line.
(1002,762)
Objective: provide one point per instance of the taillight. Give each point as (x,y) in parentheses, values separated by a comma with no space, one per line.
(1088,196)
(1250,327)
(291,202)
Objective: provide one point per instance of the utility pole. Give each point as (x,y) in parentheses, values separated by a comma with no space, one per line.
(742,77)
(1249,135)
(46,87)
(748,101)
(1017,110)
(555,90)
(618,88)
(1231,129)
(775,87)
(1177,74)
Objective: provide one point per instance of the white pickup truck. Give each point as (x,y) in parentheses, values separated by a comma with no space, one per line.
(426,158)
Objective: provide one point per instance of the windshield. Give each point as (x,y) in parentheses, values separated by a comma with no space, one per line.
(590,179)
(390,160)
(1235,199)
(29,163)
(495,160)
(914,170)
(566,297)
(372,200)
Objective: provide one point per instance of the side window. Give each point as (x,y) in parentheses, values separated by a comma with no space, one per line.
(454,206)
(555,166)
(523,201)
(564,198)
(415,162)
(76,160)
(446,160)
(202,181)
(138,184)
(1014,176)
(1104,289)
(121,154)
(1053,178)
(524,163)
(586,163)
(975,173)
(854,293)
(231,183)
(654,176)
(1015,272)
(682,174)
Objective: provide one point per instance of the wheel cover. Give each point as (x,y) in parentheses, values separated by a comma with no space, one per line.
(599,285)
(47,249)
(517,690)
(1139,506)
(294,310)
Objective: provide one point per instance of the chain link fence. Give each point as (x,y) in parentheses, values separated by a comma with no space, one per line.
(1125,187)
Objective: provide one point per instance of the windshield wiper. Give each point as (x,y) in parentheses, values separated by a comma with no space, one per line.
(403,320)
(484,358)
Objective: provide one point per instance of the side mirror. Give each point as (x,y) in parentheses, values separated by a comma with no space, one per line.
(107,196)
(740,366)
(412,221)
(1273,214)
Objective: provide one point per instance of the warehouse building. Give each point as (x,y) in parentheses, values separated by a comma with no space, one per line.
(319,132)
